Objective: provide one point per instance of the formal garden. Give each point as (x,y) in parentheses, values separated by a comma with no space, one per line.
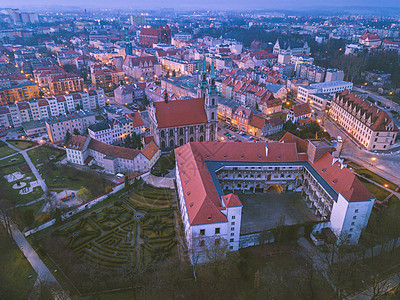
(18,183)
(131,230)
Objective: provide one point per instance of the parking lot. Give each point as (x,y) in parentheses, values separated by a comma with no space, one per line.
(227,133)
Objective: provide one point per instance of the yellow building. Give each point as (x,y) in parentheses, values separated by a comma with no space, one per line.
(24,91)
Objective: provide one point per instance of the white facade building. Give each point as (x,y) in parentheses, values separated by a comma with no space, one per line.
(208,175)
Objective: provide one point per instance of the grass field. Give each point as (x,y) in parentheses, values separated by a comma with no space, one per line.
(378,192)
(378,179)
(22,144)
(44,154)
(5,150)
(14,270)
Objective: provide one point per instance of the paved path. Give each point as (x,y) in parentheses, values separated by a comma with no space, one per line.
(384,286)
(31,165)
(9,156)
(162,182)
(35,171)
(37,264)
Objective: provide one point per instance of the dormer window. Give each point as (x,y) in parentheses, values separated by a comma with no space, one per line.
(323,170)
(334,181)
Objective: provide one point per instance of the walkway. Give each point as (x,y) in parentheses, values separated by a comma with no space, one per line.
(37,264)
(162,182)
(30,164)
(384,286)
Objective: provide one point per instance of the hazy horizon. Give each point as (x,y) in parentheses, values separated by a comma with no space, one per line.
(205,4)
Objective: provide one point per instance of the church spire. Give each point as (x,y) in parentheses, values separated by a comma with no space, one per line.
(212,88)
(128,45)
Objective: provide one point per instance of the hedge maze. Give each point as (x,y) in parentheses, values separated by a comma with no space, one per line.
(135,229)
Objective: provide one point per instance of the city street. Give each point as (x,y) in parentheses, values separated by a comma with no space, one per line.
(382,99)
(384,164)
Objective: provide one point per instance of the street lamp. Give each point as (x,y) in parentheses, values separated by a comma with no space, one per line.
(373,159)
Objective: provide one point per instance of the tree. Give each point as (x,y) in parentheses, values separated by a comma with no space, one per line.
(127,185)
(67,136)
(5,216)
(76,131)
(83,194)
(145,101)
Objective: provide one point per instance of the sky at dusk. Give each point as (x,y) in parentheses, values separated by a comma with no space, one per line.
(201,4)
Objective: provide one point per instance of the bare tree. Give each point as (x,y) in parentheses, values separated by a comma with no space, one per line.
(5,215)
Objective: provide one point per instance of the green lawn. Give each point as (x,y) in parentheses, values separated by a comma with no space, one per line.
(44,154)
(378,192)
(14,270)
(60,177)
(35,207)
(14,160)
(22,144)
(5,150)
(378,179)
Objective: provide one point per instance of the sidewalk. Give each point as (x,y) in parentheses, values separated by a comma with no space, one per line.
(37,264)
(31,165)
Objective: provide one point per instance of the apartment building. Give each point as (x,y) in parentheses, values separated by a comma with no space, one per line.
(106,76)
(65,84)
(57,127)
(181,66)
(20,92)
(369,125)
(25,111)
(321,100)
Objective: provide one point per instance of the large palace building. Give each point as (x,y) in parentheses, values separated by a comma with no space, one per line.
(370,126)
(209,177)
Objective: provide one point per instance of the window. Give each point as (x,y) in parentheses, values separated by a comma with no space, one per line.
(212,116)
(356,210)
(202,231)
(181,131)
(202,243)
(352,223)
(231,247)
(231,240)
(217,230)
(351,229)
(232,234)
(232,228)
(233,217)
(232,223)
(354,217)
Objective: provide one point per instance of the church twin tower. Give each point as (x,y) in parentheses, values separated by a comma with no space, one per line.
(208,91)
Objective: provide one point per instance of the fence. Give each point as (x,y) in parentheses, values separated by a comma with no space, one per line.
(80,208)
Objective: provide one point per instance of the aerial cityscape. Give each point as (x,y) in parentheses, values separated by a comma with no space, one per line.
(199,150)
